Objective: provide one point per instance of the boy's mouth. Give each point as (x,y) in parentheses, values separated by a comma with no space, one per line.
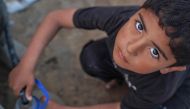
(121,56)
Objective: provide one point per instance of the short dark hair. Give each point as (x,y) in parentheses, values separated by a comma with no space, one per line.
(174,18)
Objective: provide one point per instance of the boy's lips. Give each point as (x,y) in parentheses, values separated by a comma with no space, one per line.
(121,56)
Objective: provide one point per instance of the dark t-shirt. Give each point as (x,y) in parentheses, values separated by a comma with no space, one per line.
(150,91)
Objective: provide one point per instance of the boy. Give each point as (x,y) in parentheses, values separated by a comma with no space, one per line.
(143,46)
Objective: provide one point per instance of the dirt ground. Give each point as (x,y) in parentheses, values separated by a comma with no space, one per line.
(59,67)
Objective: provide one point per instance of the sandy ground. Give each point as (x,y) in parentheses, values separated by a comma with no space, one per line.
(59,67)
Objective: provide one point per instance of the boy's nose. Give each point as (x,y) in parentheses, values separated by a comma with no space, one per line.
(137,46)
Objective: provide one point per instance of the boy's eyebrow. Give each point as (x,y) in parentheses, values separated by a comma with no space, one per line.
(163,54)
(142,20)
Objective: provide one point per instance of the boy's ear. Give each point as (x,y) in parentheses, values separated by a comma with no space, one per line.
(172,69)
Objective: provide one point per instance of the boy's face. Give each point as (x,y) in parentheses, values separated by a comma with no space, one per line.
(141,44)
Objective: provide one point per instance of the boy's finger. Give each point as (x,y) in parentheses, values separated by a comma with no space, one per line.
(16,89)
(182,68)
(29,92)
(171,69)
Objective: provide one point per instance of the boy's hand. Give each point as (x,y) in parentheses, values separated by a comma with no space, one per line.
(21,77)
(173,69)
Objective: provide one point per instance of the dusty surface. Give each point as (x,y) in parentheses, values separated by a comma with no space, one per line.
(59,67)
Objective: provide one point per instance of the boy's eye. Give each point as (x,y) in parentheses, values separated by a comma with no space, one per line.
(154,53)
(139,26)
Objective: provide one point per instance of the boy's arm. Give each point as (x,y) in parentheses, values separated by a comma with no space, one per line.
(46,32)
(22,75)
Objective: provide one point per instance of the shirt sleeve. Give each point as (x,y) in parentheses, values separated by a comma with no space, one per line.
(158,91)
(181,99)
(107,19)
